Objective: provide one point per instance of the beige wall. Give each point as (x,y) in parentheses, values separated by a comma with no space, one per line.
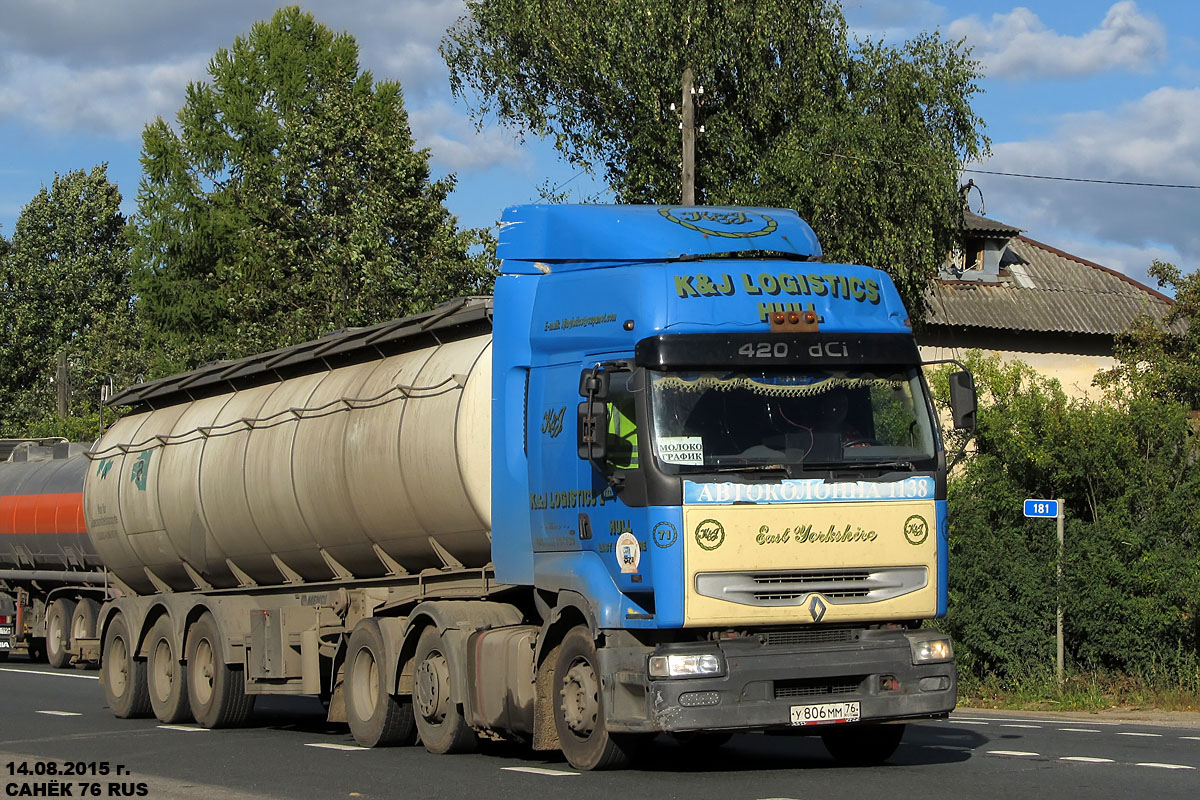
(1074,371)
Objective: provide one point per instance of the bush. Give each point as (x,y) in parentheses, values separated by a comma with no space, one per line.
(1127,468)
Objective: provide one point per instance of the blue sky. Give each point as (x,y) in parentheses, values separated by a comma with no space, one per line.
(1097,90)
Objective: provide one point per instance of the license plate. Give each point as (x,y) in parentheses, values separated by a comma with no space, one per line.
(825,713)
(5,630)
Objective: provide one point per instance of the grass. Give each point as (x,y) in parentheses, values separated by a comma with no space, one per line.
(1085,691)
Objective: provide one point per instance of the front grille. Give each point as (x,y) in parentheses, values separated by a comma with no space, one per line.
(817,636)
(818,687)
(794,587)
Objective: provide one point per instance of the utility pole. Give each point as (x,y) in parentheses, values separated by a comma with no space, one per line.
(689,138)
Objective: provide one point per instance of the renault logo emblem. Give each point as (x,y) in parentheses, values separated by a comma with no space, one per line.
(817,609)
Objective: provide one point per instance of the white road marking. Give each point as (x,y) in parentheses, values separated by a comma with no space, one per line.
(540,771)
(51,674)
(1135,733)
(1080,730)
(61,713)
(1087,759)
(1162,766)
(1019,753)
(330,746)
(966,722)
(1018,725)
(1193,738)
(1044,721)
(185,728)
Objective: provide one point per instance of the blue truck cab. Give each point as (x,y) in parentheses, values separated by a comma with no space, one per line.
(721,453)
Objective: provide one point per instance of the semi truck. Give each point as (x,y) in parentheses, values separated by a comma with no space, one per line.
(676,476)
(51,580)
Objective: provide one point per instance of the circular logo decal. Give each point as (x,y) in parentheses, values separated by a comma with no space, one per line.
(729,223)
(710,534)
(665,534)
(916,529)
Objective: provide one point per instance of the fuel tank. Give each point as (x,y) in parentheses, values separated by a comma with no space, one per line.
(41,508)
(362,454)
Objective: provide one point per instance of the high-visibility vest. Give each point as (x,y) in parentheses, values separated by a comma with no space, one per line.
(622,436)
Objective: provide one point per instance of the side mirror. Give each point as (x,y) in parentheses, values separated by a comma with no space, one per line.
(963,400)
(593,430)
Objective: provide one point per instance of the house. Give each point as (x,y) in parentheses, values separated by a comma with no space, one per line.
(1007,294)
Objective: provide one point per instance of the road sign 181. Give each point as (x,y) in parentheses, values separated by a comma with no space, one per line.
(1041,508)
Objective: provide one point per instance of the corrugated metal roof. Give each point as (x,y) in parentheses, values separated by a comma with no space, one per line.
(1056,293)
(977,224)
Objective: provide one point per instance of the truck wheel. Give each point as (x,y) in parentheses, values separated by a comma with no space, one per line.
(863,746)
(58,632)
(579,708)
(124,674)
(377,717)
(83,621)
(216,690)
(166,676)
(441,725)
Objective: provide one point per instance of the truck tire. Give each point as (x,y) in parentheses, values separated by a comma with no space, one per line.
(440,723)
(166,676)
(863,745)
(579,707)
(83,621)
(58,632)
(377,717)
(216,690)
(124,674)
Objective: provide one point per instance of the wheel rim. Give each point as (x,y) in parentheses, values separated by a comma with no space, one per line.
(204,670)
(162,673)
(77,628)
(117,662)
(365,680)
(431,689)
(56,629)
(580,699)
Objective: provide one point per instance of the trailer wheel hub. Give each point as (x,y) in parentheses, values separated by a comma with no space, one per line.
(431,689)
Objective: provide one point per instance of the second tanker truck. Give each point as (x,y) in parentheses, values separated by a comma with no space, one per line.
(677,476)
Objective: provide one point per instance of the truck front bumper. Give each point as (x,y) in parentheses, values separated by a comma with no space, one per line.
(762,680)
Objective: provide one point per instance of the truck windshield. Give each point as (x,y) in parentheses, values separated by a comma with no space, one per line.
(706,420)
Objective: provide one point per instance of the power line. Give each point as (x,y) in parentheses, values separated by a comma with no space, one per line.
(1017,174)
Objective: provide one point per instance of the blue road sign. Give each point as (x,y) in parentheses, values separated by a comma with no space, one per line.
(1041,508)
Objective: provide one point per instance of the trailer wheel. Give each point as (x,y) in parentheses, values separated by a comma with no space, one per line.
(166,676)
(124,674)
(440,723)
(216,690)
(58,632)
(377,717)
(579,707)
(83,621)
(863,746)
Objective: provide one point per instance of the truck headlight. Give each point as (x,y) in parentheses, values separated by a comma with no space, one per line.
(686,665)
(931,651)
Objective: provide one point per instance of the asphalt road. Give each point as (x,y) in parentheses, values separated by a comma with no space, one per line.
(56,721)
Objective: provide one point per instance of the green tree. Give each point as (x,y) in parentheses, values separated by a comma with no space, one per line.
(65,288)
(864,141)
(289,203)
(1161,358)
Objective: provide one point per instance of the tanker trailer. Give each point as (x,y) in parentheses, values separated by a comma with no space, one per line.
(51,580)
(609,503)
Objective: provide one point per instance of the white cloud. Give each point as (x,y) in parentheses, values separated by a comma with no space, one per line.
(456,146)
(1153,140)
(1018,45)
